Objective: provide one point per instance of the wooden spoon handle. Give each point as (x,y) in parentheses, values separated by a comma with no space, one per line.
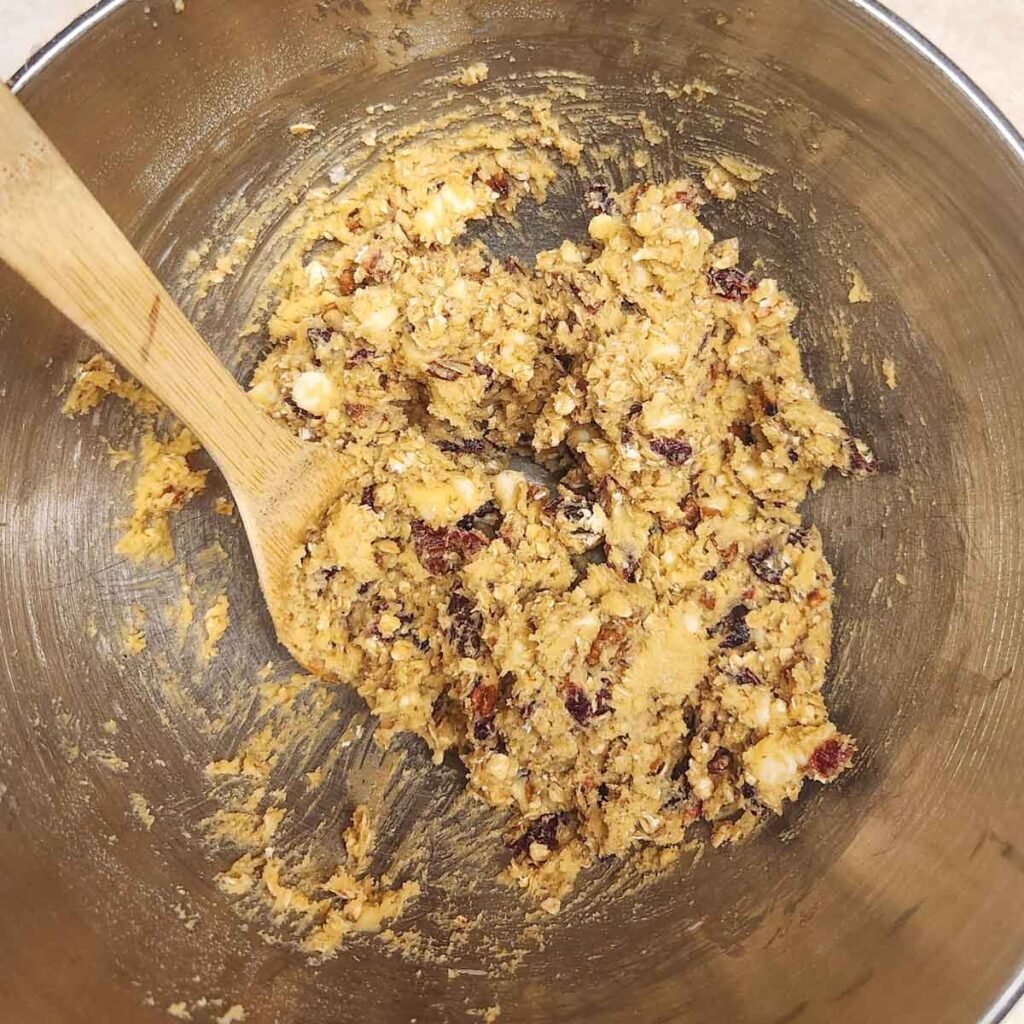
(58,237)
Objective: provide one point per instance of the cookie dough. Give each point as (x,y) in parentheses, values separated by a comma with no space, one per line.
(569,545)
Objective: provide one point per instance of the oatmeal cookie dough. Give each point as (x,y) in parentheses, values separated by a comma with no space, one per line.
(636,647)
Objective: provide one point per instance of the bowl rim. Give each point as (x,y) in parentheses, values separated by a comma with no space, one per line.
(1006,133)
(873,9)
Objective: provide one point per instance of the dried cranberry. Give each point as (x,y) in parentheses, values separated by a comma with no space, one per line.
(829,759)
(444,550)
(709,575)
(599,199)
(733,627)
(368,496)
(577,703)
(542,830)
(319,335)
(747,678)
(673,450)
(439,706)
(470,446)
(444,371)
(748,791)
(862,461)
(798,538)
(730,283)
(483,728)
(467,626)
(743,432)
(764,566)
(603,704)
(361,355)
(487,510)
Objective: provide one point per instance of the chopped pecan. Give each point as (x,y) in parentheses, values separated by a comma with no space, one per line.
(448,369)
(691,512)
(483,699)
(609,637)
(347,280)
(499,183)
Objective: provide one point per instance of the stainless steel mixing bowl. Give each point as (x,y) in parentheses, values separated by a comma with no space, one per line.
(897,894)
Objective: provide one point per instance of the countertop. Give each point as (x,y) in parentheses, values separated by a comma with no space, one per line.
(985,37)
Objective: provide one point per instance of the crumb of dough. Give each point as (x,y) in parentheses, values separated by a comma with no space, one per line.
(166,483)
(179,6)
(179,1010)
(133,639)
(726,178)
(653,132)
(141,811)
(182,614)
(641,159)
(215,622)
(699,90)
(110,727)
(91,629)
(323,900)
(224,506)
(233,1015)
(98,377)
(859,291)
(901,579)
(889,372)
(109,760)
(119,456)
(302,128)
(526,626)
(473,74)
(358,838)
(226,265)
(720,183)
(194,257)
(489,1015)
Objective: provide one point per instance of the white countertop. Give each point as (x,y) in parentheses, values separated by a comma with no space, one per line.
(985,37)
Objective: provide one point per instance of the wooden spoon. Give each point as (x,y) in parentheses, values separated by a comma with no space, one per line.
(56,235)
